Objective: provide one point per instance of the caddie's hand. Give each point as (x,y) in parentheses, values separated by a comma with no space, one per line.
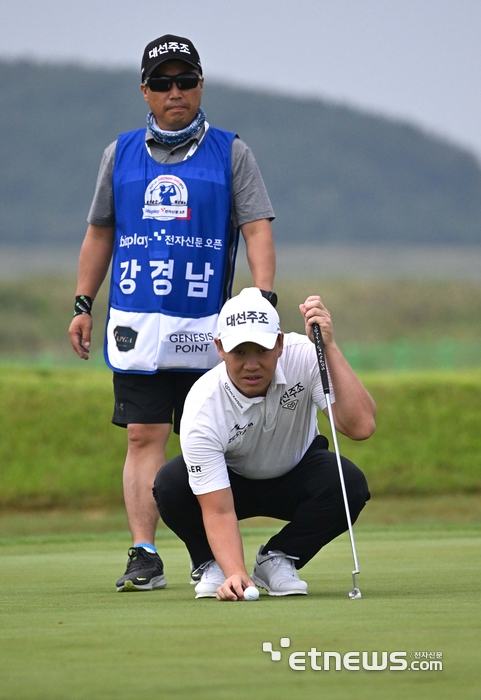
(314,311)
(79,332)
(233,587)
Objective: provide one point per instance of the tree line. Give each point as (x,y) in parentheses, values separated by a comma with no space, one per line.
(334,174)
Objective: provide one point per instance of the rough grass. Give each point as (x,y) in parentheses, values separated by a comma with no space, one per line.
(35,312)
(427,438)
(58,447)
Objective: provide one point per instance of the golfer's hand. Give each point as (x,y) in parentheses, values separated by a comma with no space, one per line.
(79,332)
(233,587)
(314,311)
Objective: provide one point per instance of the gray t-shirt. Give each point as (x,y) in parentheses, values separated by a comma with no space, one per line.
(251,201)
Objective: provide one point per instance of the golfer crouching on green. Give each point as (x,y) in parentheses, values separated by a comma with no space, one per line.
(251,447)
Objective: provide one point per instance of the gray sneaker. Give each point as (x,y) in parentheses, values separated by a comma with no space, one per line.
(212,577)
(275,571)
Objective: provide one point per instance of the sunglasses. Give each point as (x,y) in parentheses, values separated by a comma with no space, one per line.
(163,83)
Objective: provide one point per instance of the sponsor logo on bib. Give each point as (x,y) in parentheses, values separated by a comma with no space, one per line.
(166,199)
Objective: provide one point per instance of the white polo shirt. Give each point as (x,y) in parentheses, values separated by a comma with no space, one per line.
(259,438)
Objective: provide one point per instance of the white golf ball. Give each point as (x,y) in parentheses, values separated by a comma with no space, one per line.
(251,593)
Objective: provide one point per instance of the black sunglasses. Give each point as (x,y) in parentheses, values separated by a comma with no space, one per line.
(163,83)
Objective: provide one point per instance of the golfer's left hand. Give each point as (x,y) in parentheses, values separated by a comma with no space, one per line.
(233,587)
(314,311)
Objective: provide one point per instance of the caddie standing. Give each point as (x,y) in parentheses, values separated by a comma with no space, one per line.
(168,205)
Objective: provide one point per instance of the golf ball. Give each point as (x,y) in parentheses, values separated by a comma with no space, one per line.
(251,593)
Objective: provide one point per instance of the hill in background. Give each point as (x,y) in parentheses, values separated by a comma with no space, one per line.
(334,174)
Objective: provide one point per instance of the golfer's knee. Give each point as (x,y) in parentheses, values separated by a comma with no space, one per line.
(356,487)
(171,485)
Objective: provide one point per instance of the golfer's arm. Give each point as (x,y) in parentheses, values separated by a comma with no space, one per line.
(261,255)
(222,529)
(94,260)
(354,410)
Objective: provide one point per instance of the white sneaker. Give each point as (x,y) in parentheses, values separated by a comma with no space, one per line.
(212,578)
(275,571)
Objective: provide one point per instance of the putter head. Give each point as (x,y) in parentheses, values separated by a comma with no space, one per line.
(355,594)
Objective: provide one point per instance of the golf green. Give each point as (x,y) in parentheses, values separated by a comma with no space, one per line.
(66,633)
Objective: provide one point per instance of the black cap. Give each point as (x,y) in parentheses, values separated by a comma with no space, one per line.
(169,48)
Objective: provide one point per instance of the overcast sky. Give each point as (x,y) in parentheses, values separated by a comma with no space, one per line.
(412,59)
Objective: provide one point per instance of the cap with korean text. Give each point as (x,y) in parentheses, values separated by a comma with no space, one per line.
(169,48)
(248,318)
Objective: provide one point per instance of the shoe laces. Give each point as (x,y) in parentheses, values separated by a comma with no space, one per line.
(212,571)
(284,563)
(138,557)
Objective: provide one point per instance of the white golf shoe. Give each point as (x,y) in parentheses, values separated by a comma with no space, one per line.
(276,573)
(212,577)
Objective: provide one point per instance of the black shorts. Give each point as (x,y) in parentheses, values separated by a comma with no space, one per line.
(151,398)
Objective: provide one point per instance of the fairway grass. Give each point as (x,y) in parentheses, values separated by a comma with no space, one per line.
(66,633)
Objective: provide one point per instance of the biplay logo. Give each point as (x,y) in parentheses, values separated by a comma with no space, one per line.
(355,660)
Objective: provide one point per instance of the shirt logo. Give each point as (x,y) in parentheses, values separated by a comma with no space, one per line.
(288,399)
(239,430)
(234,398)
(194,469)
(166,199)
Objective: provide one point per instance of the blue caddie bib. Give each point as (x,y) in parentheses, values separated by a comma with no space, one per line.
(173,258)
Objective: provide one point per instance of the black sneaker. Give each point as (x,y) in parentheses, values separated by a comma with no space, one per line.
(144,572)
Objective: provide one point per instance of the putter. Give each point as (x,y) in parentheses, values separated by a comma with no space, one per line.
(321,359)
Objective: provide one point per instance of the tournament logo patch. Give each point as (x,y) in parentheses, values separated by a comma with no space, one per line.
(125,338)
(166,199)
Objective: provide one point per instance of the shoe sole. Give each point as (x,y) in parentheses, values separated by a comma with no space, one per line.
(262,584)
(154,583)
(205,595)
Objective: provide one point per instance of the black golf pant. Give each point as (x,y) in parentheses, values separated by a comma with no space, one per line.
(309,497)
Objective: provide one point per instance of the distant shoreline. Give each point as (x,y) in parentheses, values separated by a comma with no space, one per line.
(354,261)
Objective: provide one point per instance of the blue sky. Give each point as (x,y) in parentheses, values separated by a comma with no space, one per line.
(417,60)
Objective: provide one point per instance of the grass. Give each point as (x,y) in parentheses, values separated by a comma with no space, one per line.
(432,511)
(58,447)
(427,438)
(66,633)
(365,312)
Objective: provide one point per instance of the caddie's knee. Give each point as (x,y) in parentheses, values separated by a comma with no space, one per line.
(143,436)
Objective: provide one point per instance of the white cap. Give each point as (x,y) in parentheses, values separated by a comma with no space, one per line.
(248,318)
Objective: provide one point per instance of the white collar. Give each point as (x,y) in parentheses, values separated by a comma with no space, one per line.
(244,402)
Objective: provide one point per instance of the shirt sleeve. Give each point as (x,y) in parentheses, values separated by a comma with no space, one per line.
(251,201)
(102,208)
(203,452)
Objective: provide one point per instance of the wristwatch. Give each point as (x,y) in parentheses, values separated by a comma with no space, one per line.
(270,296)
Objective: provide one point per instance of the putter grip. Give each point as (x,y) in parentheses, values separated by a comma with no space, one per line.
(321,359)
